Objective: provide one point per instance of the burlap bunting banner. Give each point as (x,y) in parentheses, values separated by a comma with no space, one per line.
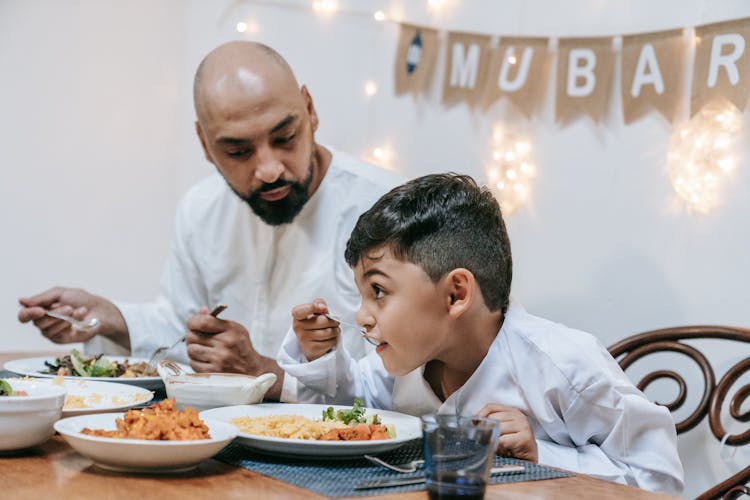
(415,58)
(518,70)
(584,77)
(652,66)
(722,64)
(465,68)
(651,78)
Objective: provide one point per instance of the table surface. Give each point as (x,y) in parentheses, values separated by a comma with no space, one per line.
(53,469)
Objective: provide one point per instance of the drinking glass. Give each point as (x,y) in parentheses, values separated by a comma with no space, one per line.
(458,454)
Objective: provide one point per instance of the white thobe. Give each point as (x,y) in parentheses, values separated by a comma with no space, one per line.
(585,413)
(222,253)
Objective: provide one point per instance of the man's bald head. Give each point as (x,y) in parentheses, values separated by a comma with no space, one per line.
(248,66)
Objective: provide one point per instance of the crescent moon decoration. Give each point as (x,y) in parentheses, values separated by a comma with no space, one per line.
(414,54)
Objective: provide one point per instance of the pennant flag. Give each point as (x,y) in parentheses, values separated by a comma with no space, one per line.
(466,67)
(722,64)
(652,66)
(518,70)
(584,77)
(415,58)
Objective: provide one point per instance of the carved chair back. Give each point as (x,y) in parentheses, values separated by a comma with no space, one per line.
(631,349)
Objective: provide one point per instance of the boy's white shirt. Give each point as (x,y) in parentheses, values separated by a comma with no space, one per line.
(586,414)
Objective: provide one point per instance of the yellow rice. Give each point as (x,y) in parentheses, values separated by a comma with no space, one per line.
(285,426)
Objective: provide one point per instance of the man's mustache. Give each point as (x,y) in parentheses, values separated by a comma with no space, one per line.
(273,185)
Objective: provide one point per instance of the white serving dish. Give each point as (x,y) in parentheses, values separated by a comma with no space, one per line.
(141,455)
(27,420)
(210,390)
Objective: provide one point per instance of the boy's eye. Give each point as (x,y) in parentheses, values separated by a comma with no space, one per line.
(377,291)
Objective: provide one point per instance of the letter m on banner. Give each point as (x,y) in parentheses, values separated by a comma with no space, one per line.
(466,68)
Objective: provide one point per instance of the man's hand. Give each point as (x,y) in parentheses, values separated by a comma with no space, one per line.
(516,437)
(79,304)
(316,334)
(223,346)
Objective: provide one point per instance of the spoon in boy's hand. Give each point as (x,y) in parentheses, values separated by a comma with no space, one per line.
(361,330)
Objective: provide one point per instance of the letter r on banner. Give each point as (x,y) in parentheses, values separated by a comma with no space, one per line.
(728,61)
(584,71)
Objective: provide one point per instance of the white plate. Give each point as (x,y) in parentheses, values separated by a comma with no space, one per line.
(31,367)
(96,396)
(140,455)
(406,426)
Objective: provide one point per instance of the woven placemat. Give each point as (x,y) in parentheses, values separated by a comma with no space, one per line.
(337,478)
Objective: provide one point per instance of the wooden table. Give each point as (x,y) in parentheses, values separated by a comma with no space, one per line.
(54,470)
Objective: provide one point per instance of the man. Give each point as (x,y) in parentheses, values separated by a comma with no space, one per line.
(256,125)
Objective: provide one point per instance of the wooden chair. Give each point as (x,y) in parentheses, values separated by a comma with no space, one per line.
(629,350)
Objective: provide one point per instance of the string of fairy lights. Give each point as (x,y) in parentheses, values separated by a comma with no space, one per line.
(700,160)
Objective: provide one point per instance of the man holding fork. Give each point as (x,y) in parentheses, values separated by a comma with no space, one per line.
(265,234)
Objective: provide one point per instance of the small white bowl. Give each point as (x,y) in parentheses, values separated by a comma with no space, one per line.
(141,455)
(27,420)
(203,391)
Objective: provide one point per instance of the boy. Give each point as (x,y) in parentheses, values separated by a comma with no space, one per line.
(432,262)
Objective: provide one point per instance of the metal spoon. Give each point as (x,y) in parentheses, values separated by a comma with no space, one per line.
(361,330)
(78,325)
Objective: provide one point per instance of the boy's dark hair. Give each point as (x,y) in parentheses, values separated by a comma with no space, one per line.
(441,222)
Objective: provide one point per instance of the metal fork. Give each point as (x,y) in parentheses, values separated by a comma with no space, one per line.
(405,467)
(161,352)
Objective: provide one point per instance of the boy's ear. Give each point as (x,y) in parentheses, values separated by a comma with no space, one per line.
(461,288)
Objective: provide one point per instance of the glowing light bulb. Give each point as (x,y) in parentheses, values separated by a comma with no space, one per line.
(379,15)
(511,170)
(326,7)
(241,27)
(700,160)
(371,88)
(512,60)
(382,156)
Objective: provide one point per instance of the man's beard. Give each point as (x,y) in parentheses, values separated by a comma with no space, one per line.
(283,211)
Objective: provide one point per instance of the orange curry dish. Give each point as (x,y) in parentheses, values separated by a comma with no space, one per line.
(359,432)
(159,422)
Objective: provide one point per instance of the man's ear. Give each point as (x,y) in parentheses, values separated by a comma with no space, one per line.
(202,138)
(461,289)
(310,108)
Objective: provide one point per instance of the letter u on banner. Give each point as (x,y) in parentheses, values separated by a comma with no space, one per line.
(584,77)
(518,70)
(652,71)
(465,68)
(722,64)
(415,58)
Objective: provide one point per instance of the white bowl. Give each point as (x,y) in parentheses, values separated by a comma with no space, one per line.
(203,391)
(27,420)
(141,455)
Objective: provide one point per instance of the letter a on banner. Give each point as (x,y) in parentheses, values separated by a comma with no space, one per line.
(652,68)
(415,58)
(466,68)
(722,64)
(584,77)
(518,70)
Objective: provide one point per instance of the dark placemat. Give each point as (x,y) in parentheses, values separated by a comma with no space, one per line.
(337,478)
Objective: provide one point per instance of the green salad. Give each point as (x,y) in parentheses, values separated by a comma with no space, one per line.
(355,415)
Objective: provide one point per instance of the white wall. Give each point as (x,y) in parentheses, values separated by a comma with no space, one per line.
(97,144)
